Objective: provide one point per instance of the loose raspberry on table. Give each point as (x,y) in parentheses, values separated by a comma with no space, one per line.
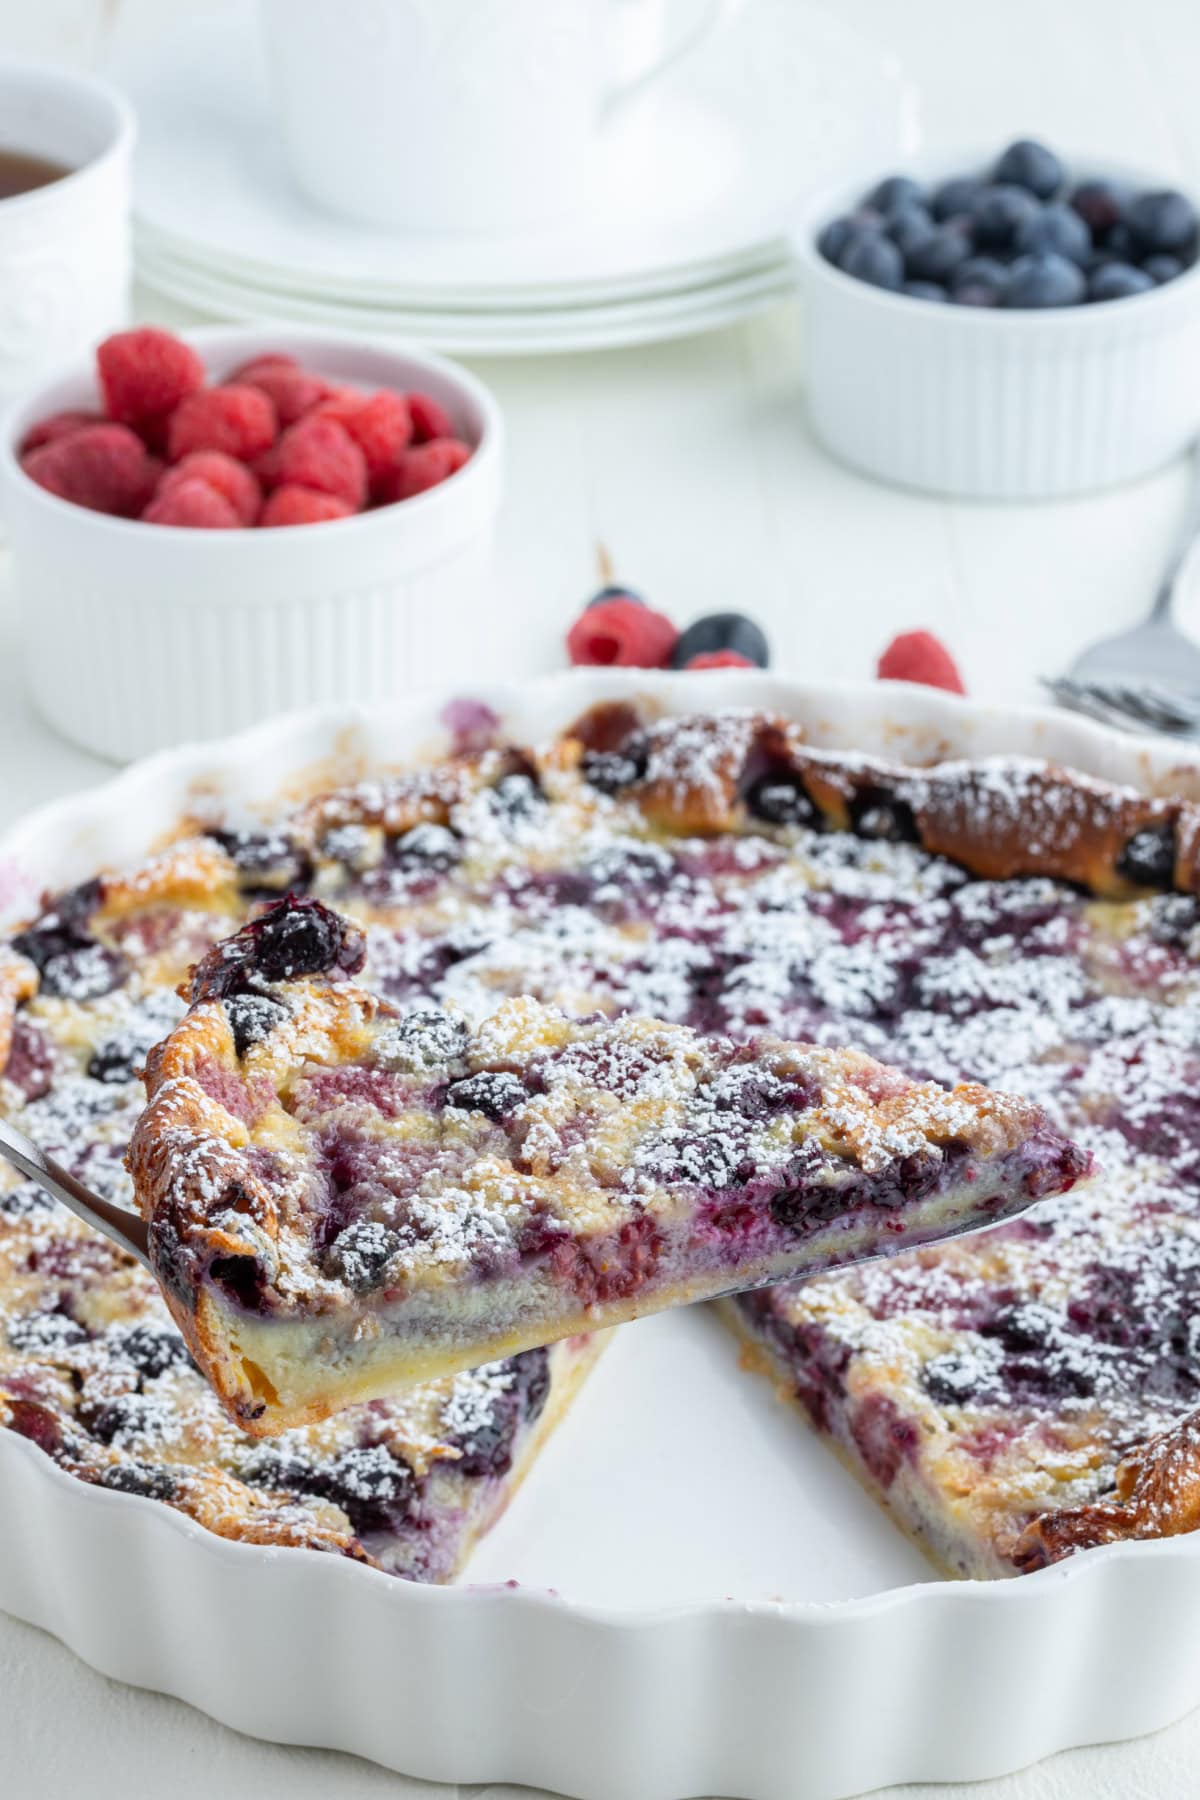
(58,425)
(317,453)
(719,659)
(145,373)
(421,467)
(429,419)
(192,502)
(292,390)
(622,634)
(103,467)
(231,479)
(919,656)
(379,423)
(296,505)
(238,420)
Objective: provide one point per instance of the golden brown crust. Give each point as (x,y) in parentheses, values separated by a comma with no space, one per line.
(18,982)
(1157,1495)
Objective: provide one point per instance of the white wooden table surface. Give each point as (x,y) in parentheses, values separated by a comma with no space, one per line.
(692,464)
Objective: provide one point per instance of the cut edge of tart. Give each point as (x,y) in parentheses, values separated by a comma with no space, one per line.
(345,1199)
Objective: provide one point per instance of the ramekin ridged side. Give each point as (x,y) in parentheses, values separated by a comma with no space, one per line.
(986,403)
(138,637)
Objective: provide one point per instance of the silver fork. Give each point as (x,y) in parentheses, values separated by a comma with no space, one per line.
(125,1229)
(1147,678)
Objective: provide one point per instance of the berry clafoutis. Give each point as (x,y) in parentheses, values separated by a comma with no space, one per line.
(1023,234)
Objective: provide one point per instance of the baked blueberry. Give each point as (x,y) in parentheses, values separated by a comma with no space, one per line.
(722,631)
(1045,279)
(1031,165)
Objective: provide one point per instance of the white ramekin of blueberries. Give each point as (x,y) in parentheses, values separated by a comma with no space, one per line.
(1006,327)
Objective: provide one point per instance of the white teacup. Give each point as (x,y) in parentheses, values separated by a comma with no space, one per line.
(64,248)
(461,115)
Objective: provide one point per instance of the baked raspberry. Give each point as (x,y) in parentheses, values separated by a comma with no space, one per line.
(429,419)
(103,467)
(292,504)
(236,419)
(232,479)
(317,453)
(145,373)
(292,390)
(623,634)
(191,502)
(921,657)
(379,423)
(719,659)
(422,467)
(57,425)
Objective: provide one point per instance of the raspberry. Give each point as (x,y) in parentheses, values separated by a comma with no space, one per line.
(292,504)
(921,657)
(271,359)
(191,502)
(719,659)
(422,467)
(231,479)
(429,420)
(379,424)
(318,453)
(621,633)
(145,373)
(238,420)
(292,391)
(103,467)
(58,425)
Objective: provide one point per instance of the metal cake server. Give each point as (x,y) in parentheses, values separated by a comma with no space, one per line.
(125,1229)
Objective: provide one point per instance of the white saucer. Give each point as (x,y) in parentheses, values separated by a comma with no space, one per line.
(475,331)
(772,107)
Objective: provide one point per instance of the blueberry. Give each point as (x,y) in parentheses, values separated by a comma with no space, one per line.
(115,1061)
(623,593)
(936,257)
(780,799)
(876,812)
(722,631)
(531,1381)
(360,1253)
(1055,228)
(493,1092)
(612,771)
(1148,859)
(955,196)
(998,212)
(140,1478)
(297,940)
(1100,204)
(870,256)
(267,862)
(895,192)
(1118,281)
(152,1349)
(831,241)
(1031,165)
(980,281)
(908,227)
(252,1017)
(1045,279)
(925,290)
(1162,220)
(516,797)
(428,846)
(1118,243)
(1162,268)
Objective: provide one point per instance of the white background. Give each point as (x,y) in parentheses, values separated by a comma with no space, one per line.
(691,464)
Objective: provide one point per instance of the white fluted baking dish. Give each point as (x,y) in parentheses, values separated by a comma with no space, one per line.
(990,404)
(708,1603)
(141,636)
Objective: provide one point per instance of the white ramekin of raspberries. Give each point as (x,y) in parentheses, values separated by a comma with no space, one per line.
(212,528)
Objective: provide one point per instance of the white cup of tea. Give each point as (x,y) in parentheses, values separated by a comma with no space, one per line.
(66,145)
(463,115)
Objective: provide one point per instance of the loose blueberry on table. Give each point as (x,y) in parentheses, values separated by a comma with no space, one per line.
(1020,235)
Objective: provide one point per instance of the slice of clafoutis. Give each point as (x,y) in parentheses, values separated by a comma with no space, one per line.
(344,1198)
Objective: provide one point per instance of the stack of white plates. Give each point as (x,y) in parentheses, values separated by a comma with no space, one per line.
(685,229)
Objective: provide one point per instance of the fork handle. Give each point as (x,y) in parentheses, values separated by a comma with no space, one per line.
(125,1229)
(1189,529)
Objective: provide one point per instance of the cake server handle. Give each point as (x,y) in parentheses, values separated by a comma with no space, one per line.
(124,1228)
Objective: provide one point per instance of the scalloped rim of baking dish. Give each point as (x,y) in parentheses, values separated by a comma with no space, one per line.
(962,1680)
